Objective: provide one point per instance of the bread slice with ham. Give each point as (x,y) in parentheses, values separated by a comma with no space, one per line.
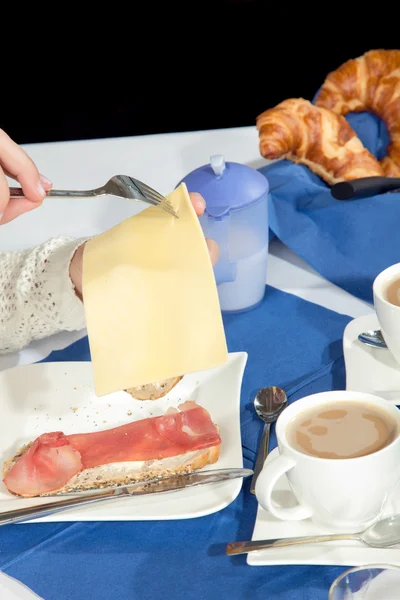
(180,441)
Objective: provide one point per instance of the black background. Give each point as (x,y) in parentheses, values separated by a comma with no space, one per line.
(107,70)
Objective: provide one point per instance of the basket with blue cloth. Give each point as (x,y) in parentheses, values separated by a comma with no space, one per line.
(348,243)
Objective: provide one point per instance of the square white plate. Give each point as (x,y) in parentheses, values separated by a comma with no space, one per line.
(371,370)
(346,553)
(60,396)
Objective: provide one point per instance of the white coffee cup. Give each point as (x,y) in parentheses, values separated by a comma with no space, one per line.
(346,495)
(388,314)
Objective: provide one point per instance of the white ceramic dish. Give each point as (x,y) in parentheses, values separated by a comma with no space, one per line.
(12,589)
(60,397)
(371,370)
(328,553)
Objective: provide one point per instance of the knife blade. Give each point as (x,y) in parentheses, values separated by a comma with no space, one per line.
(166,484)
(179,482)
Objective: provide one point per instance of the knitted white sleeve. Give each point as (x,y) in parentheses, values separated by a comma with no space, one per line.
(37,297)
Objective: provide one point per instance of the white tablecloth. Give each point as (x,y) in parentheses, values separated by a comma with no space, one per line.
(161,161)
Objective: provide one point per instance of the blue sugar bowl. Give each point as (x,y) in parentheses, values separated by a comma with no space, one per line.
(236,217)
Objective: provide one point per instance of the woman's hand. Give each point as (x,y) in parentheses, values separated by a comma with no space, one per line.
(75,270)
(15,163)
(199,205)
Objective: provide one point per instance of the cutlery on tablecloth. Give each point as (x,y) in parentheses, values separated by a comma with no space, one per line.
(122,186)
(268,403)
(153,486)
(364,187)
(382,534)
(373,338)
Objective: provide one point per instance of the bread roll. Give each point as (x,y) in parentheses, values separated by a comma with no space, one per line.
(153,391)
(125,473)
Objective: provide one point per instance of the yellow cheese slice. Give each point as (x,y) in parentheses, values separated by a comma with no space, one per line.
(150,297)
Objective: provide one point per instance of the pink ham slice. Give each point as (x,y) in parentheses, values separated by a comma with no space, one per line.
(54,458)
(148,439)
(45,467)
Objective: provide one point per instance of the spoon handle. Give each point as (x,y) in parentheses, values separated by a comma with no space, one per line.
(245,547)
(261,456)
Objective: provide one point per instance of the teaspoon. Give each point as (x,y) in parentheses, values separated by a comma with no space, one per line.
(373,338)
(268,403)
(382,534)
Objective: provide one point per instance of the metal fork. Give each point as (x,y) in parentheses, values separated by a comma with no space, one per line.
(122,186)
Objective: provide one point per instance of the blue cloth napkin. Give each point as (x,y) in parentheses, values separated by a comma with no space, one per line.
(291,343)
(348,243)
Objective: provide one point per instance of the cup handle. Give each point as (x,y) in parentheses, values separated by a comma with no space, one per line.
(272,471)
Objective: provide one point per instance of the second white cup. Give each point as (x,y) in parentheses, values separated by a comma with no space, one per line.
(388,314)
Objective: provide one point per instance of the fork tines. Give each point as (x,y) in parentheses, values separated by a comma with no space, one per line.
(154,197)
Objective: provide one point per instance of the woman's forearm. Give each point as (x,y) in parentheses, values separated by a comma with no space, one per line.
(40,291)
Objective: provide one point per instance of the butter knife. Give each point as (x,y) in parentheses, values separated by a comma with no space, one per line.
(153,486)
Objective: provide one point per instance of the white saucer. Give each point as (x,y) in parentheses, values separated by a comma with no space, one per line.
(346,553)
(368,369)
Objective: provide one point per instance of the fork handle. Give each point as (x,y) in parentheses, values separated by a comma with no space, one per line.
(16,192)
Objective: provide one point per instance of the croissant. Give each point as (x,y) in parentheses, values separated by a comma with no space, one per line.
(315,137)
(369,83)
(387,106)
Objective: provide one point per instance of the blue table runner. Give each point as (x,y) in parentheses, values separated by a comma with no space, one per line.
(291,343)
